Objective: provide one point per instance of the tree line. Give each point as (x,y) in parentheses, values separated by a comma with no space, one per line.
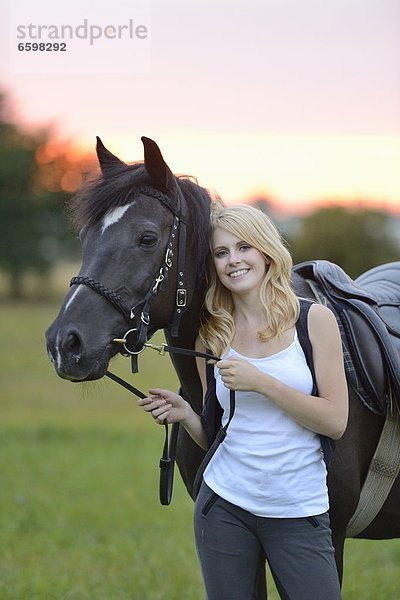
(37,177)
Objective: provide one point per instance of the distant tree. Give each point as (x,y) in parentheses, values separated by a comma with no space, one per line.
(263,204)
(355,239)
(33,229)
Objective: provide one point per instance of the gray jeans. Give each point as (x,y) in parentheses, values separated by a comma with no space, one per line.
(233,544)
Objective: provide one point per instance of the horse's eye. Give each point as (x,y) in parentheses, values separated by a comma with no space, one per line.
(147,240)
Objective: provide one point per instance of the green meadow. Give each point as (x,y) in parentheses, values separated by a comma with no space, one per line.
(80,517)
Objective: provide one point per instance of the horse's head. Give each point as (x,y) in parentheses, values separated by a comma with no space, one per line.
(144,239)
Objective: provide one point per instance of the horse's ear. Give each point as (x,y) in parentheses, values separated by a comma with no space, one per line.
(156,166)
(107,160)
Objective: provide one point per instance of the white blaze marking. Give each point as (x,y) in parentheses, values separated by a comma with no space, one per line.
(72,298)
(113,216)
(58,357)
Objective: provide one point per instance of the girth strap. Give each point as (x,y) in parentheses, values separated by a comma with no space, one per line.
(382,474)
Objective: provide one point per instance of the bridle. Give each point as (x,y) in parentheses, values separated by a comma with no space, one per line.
(135,340)
(138,317)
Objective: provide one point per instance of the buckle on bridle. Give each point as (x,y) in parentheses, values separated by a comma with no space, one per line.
(145,318)
(168,257)
(181,297)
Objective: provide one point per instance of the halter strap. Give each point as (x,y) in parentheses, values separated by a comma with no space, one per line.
(104,291)
(138,317)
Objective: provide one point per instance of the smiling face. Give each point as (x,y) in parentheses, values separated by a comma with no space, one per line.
(240,267)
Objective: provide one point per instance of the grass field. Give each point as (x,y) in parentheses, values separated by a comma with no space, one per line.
(79,512)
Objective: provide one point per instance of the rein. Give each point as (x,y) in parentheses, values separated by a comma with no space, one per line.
(167,460)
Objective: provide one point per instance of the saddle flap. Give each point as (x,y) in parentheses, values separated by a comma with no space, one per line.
(390,346)
(368,312)
(365,351)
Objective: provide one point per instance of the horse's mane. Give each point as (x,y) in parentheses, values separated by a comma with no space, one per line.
(101,194)
(198,205)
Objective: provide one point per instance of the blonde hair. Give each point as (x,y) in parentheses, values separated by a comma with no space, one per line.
(280,303)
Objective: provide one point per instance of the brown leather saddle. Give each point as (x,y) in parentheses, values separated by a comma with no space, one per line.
(368,314)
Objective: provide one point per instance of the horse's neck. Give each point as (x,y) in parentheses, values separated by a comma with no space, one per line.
(185,366)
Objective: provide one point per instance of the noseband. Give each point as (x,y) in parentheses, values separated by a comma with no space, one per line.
(138,317)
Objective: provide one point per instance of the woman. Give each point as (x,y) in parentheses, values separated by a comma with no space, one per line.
(264,492)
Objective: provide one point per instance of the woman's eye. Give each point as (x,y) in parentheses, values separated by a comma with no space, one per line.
(245,247)
(148,240)
(220,253)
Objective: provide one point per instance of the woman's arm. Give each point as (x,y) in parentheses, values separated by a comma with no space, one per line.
(326,413)
(166,405)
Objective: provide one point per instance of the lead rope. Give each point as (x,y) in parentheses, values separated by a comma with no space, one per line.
(167,460)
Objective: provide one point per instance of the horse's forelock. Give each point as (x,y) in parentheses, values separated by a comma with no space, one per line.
(100,194)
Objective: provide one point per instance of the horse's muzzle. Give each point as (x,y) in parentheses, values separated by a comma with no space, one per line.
(72,358)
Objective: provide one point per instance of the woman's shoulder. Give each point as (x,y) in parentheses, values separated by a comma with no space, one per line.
(321,321)
(321,311)
(314,311)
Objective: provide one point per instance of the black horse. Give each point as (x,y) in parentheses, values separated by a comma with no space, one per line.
(144,235)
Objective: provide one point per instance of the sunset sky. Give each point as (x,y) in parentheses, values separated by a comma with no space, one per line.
(295,100)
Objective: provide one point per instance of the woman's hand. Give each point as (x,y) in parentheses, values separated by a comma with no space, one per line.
(238,374)
(165,405)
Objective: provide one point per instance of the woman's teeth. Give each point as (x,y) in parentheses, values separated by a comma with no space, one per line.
(238,273)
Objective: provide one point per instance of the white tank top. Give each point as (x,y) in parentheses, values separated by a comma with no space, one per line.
(269,464)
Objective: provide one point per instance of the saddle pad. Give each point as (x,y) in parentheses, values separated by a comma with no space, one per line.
(383,283)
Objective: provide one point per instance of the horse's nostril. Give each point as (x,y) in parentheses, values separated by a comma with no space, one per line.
(73,346)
